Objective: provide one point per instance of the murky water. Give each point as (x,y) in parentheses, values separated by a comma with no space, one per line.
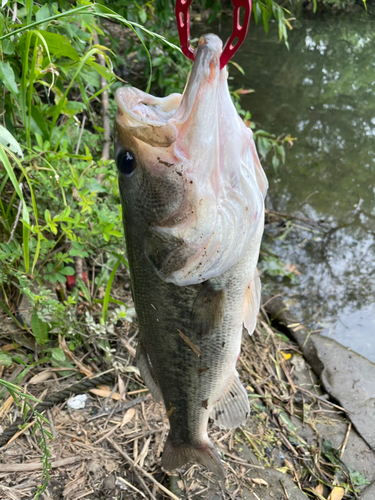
(323,92)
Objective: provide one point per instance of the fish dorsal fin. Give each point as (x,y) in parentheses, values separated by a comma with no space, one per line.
(252,304)
(147,374)
(233,407)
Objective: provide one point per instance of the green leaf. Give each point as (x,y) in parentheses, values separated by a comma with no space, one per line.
(357,478)
(64,364)
(7,76)
(8,47)
(39,329)
(58,354)
(43,13)
(60,278)
(102,70)
(275,162)
(263,146)
(5,360)
(281,151)
(9,141)
(142,16)
(71,108)
(40,121)
(24,412)
(96,187)
(59,45)
(67,271)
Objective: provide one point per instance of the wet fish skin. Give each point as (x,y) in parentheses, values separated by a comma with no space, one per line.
(174,299)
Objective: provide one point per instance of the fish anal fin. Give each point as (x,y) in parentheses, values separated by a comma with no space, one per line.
(146,370)
(208,309)
(252,304)
(177,455)
(233,407)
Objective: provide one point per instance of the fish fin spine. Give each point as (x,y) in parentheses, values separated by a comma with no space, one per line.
(233,407)
(177,455)
(252,304)
(147,373)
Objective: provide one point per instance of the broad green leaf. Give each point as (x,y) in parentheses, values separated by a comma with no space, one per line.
(102,70)
(73,107)
(142,16)
(39,329)
(96,187)
(8,47)
(43,13)
(5,360)
(60,278)
(7,77)
(263,146)
(58,354)
(59,45)
(67,271)
(9,141)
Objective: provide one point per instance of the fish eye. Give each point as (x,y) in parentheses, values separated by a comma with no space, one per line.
(126,162)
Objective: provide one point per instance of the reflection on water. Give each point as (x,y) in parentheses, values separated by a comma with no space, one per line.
(323,92)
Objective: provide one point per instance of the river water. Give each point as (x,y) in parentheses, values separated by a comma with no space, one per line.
(323,92)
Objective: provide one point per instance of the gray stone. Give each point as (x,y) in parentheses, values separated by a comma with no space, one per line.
(368,493)
(349,378)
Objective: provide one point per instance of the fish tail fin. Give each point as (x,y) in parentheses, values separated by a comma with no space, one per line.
(177,455)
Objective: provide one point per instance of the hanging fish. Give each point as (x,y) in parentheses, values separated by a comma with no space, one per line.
(192,191)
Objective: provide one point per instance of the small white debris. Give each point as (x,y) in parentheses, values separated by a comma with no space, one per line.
(121,483)
(298,362)
(77,402)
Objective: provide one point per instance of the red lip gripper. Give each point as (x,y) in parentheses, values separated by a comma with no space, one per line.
(234,41)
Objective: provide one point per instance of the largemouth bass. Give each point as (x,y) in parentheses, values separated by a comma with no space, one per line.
(192,191)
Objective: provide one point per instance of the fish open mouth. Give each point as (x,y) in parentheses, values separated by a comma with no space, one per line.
(140,111)
(201,135)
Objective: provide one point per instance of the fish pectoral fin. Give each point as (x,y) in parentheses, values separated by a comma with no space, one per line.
(208,309)
(147,373)
(176,455)
(233,407)
(252,304)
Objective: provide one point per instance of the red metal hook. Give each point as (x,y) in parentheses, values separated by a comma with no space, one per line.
(234,41)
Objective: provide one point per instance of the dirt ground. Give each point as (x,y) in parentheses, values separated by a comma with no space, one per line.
(297,443)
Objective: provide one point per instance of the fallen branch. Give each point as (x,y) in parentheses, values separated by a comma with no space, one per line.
(32,466)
